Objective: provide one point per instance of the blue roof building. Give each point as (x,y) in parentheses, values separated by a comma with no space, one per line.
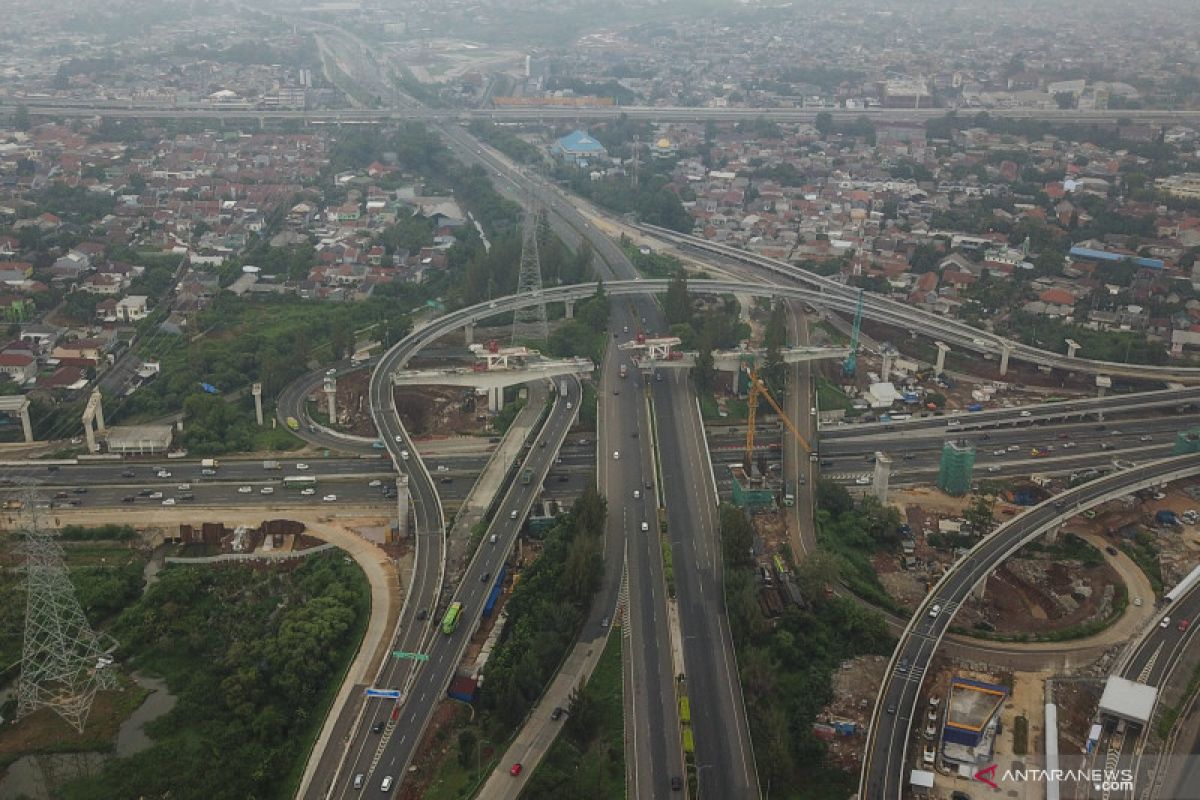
(1103,255)
(578,147)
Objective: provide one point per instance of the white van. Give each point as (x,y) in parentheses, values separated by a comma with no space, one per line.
(386,786)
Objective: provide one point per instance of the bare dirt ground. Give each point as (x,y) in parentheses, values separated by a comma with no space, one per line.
(439,411)
(854,687)
(772,529)
(1039,595)
(1076,700)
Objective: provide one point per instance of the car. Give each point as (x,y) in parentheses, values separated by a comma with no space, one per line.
(515,769)
(645,527)
(267,490)
(183,487)
(862,480)
(422,615)
(994,468)
(1160,496)
(1183,625)
(399,439)
(933,612)
(484,577)
(170,501)
(1137,601)
(245,489)
(145,492)
(1025,414)
(928,755)
(1145,438)
(1069,446)
(386,786)
(999,452)
(129,498)
(359,780)
(330,498)
(404,455)
(637,494)
(891,709)
(155,495)
(676,783)
(1112,551)
(512,514)
(1164,622)
(375,483)
(442,468)
(1064,436)
(128,473)
(1115,433)
(604,622)
(649,485)
(302,467)
(556,714)
(1106,446)
(163,473)
(930,731)
(61,495)
(934,700)
(903,665)
(308,491)
(1012,448)
(616,455)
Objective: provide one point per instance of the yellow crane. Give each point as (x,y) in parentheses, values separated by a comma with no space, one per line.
(759,389)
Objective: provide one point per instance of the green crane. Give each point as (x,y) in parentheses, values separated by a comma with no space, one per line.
(851,363)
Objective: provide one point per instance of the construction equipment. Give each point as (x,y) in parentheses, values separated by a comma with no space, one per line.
(850,365)
(758,388)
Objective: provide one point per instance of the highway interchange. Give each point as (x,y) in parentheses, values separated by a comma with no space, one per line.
(686,495)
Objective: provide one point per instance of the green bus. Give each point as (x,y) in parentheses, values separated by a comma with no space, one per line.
(450,621)
(299,482)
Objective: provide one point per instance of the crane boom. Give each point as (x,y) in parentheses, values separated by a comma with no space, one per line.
(759,389)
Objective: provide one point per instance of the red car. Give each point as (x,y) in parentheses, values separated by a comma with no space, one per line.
(515,769)
(1184,624)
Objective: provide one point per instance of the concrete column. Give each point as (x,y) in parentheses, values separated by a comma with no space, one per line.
(331,399)
(883,471)
(403,503)
(888,358)
(1005,352)
(1103,384)
(1072,348)
(469,333)
(26,428)
(99,410)
(1050,537)
(495,399)
(256,389)
(940,366)
(90,435)
(981,589)
(570,304)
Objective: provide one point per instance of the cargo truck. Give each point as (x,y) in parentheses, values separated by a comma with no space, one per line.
(271,465)
(526,475)
(623,371)
(789,494)
(209,463)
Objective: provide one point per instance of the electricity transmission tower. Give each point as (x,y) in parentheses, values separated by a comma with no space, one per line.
(63,661)
(529,323)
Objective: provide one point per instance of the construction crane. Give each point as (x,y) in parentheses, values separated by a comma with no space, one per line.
(758,389)
(850,365)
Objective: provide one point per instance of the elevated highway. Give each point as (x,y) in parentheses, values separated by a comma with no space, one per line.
(884,765)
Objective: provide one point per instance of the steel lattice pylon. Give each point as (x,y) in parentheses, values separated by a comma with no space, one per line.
(63,661)
(529,323)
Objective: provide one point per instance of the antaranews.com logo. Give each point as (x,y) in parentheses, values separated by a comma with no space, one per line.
(1101,780)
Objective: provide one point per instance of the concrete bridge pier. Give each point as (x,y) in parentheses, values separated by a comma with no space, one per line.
(570,309)
(495,398)
(940,365)
(1005,352)
(331,398)
(256,390)
(1072,348)
(469,333)
(403,503)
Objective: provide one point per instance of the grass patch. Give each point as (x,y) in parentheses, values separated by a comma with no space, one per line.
(587,407)
(1020,735)
(708,407)
(668,567)
(588,759)
(471,755)
(274,439)
(45,732)
(1143,552)
(831,398)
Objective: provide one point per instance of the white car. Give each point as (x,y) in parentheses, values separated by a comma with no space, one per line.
(170,501)
(862,480)
(399,439)
(245,489)
(933,612)
(442,468)
(183,487)
(156,495)
(616,455)
(637,494)
(1137,601)
(308,492)
(267,490)
(1012,448)
(999,452)
(162,473)
(1068,446)
(302,467)
(375,483)
(994,468)
(330,498)
(645,527)
(512,514)
(404,455)
(1025,414)
(1164,622)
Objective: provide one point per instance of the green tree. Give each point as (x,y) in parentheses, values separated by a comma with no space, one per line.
(824,124)
(677,305)
(980,513)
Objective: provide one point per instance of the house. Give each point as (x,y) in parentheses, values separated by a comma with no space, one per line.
(103,283)
(19,367)
(15,272)
(132,308)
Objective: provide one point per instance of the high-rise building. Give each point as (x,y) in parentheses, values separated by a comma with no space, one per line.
(957,468)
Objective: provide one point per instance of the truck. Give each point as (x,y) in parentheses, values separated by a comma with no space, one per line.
(450,621)
(293,423)
(789,494)
(1165,516)
(526,475)
(209,463)
(975,407)
(13,505)
(623,371)
(272,465)
(562,388)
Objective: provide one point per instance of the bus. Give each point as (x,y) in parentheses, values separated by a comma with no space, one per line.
(293,423)
(299,481)
(450,621)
